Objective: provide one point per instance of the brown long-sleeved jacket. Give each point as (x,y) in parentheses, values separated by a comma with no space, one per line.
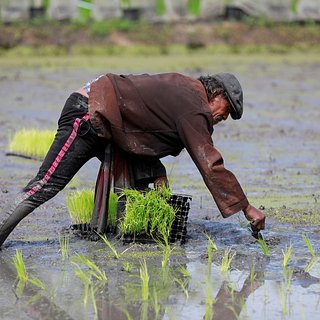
(159,115)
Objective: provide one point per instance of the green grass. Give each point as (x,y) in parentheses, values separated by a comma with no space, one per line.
(147,213)
(31,142)
(80,205)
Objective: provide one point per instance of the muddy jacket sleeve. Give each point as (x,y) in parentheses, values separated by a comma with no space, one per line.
(196,136)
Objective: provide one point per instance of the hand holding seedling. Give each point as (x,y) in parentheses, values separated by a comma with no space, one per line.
(256,218)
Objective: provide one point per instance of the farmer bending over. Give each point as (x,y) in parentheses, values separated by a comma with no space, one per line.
(130,122)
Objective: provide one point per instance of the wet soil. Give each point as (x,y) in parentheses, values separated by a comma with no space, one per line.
(272,150)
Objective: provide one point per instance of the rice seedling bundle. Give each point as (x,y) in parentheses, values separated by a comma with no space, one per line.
(80,206)
(31,142)
(147,213)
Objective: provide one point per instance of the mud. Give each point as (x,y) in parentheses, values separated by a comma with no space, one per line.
(272,150)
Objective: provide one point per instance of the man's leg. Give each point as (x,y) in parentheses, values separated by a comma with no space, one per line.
(75,143)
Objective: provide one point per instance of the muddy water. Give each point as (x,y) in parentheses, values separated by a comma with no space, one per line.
(272,150)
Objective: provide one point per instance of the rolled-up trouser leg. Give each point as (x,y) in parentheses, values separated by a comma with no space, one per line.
(74,144)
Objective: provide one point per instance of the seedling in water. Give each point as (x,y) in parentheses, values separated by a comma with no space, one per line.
(94,270)
(80,206)
(309,245)
(22,272)
(144,277)
(20,266)
(167,250)
(64,246)
(210,247)
(183,285)
(112,247)
(264,246)
(127,266)
(226,260)
(184,271)
(33,142)
(286,256)
(311,263)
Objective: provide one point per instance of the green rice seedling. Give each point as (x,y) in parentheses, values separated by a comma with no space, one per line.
(116,254)
(226,260)
(309,245)
(286,256)
(20,266)
(264,247)
(64,247)
(80,206)
(94,270)
(110,245)
(210,247)
(311,263)
(184,271)
(22,272)
(127,266)
(112,209)
(144,277)
(31,142)
(183,285)
(166,251)
(253,274)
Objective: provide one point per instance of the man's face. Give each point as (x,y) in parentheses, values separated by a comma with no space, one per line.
(220,108)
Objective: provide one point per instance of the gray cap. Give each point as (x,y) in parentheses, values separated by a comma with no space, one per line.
(233,91)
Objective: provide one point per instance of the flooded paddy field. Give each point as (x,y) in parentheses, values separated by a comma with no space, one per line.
(273,151)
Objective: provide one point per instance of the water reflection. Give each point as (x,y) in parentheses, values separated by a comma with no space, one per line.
(32,303)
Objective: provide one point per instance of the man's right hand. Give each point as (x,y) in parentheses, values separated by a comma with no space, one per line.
(256,218)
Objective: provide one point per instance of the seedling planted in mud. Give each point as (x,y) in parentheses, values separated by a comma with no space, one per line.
(264,246)
(94,270)
(226,260)
(183,284)
(309,245)
(112,247)
(166,251)
(286,256)
(32,142)
(88,287)
(64,247)
(184,271)
(210,247)
(22,272)
(311,263)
